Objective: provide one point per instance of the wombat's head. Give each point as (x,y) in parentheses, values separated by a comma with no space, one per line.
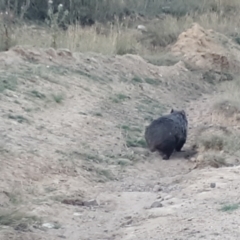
(181,112)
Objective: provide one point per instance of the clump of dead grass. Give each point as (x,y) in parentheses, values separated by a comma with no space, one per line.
(227,143)
(226,108)
(223,137)
(165,31)
(213,159)
(7,37)
(162,59)
(212,142)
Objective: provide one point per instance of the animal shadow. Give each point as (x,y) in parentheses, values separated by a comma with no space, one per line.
(186,153)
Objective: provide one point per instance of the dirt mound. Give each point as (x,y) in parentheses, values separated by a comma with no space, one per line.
(206,49)
(19,55)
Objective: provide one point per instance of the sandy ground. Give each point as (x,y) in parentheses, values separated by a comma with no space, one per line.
(73,160)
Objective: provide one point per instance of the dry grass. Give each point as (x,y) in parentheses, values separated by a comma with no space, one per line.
(212,142)
(226,108)
(214,159)
(119,39)
(228,143)
(220,142)
(84,40)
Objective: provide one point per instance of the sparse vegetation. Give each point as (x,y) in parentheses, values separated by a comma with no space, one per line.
(163,59)
(137,79)
(58,98)
(37,94)
(87,156)
(18,220)
(150,107)
(113,29)
(8,81)
(106,173)
(213,142)
(227,108)
(221,137)
(152,81)
(18,118)
(133,136)
(124,162)
(218,142)
(15,196)
(128,128)
(119,98)
(230,207)
(136,143)
(214,159)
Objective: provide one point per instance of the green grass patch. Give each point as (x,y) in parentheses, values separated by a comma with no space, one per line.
(8,81)
(230,207)
(137,79)
(152,81)
(136,143)
(20,221)
(58,98)
(37,94)
(119,98)
(18,118)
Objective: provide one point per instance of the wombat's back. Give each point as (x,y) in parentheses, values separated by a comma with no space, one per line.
(158,132)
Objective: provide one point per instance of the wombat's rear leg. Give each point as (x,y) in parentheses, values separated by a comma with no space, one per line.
(167,152)
(179,146)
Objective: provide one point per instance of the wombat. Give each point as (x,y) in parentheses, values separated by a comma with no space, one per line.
(167,133)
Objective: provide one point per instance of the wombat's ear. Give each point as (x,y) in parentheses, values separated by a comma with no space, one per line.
(183,112)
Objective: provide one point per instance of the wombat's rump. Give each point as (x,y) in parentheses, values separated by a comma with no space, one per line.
(167,133)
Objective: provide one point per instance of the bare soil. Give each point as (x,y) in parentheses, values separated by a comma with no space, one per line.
(74,164)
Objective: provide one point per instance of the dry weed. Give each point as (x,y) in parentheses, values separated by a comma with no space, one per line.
(225,109)
(228,143)
(118,39)
(214,159)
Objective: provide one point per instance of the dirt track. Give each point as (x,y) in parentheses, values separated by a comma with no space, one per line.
(72,152)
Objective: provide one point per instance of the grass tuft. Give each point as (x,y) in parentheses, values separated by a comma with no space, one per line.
(18,220)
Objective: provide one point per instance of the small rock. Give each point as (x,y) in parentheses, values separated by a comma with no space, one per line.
(160,198)
(77,214)
(74,202)
(167,197)
(193,159)
(156,204)
(157,188)
(212,185)
(62,236)
(48,225)
(92,202)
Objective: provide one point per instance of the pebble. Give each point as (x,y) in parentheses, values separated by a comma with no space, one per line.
(92,202)
(156,204)
(212,185)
